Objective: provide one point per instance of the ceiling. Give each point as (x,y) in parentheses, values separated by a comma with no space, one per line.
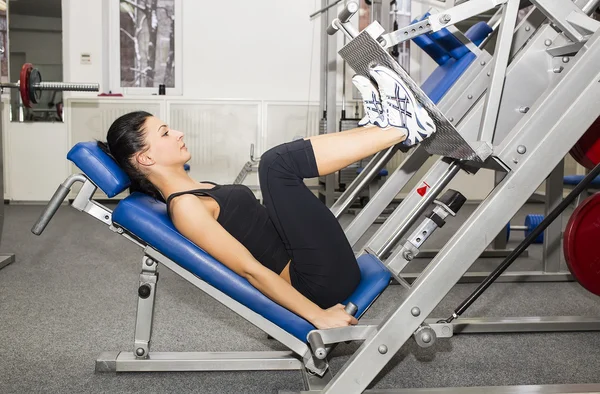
(48,8)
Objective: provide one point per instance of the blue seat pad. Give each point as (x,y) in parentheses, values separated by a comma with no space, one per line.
(147,219)
(573,180)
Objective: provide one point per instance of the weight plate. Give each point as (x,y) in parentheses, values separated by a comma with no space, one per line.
(587,150)
(531,222)
(34,78)
(24,84)
(579,243)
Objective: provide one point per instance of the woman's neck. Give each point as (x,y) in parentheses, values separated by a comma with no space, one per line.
(173,181)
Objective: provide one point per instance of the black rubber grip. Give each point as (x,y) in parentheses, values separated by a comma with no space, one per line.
(61,193)
(332,29)
(349,10)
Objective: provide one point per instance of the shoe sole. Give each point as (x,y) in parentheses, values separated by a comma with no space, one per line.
(414,134)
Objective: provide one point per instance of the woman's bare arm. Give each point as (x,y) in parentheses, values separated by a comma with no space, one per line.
(195,222)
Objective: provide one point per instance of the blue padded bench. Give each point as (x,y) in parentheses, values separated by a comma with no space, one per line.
(573,180)
(146,219)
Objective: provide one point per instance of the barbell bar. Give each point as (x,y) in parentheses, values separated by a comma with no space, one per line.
(30,85)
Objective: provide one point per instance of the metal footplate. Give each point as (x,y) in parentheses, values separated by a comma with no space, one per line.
(364,51)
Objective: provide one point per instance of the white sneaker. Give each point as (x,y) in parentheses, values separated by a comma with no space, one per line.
(400,106)
(371,102)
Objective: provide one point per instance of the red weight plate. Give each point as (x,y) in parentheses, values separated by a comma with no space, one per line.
(581,238)
(587,150)
(24,84)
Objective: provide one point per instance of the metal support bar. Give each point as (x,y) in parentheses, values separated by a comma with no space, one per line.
(506,277)
(426,199)
(461,12)
(487,254)
(331,70)
(558,11)
(485,325)
(363,179)
(565,50)
(590,6)
(6,259)
(145,309)
(358,332)
(552,248)
(198,361)
(501,56)
(387,192)
(530,389)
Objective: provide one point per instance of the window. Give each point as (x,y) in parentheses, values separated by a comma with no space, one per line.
(149,52)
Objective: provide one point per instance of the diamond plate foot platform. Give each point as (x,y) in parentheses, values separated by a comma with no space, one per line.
(364,51)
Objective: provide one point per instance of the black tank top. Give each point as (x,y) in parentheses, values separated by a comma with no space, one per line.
(247,221)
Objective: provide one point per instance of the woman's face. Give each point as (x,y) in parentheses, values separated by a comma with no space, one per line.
(166,146)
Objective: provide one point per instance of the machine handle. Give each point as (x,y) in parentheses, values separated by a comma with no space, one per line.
(333,27)
(351,309)
(349,10)
(61,193)
(316,343)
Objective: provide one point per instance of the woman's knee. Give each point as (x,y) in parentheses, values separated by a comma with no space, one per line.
(266,160)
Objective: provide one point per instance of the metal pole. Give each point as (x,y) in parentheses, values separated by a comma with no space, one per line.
(553,234)
(365,177)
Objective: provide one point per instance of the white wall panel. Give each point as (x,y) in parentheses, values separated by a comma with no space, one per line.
(286,121)
(37,157)
(218,135)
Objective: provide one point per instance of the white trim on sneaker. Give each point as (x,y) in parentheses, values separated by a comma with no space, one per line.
(400,106)
(371,102)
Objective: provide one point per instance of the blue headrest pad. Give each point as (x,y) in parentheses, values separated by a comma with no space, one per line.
(147,219)
(99,168)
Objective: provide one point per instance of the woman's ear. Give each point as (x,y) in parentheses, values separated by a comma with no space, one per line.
(143,159)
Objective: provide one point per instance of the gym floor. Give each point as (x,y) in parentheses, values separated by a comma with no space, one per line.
(72,294)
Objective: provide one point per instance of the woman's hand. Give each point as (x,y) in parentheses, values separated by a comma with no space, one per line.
(334,317)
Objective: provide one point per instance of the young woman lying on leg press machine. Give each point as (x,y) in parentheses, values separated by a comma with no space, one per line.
(292,249)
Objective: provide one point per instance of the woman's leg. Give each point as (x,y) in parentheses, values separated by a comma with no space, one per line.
(323,266)
(338,150)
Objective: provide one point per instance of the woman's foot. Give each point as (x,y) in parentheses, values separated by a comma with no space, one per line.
(400,106)
(371,102)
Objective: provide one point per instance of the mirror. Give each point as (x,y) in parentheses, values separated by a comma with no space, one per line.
(35,36)
(3,42)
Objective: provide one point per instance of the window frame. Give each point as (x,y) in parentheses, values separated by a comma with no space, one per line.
(114,26)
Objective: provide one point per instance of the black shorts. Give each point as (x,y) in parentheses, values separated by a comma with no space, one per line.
(323,266)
